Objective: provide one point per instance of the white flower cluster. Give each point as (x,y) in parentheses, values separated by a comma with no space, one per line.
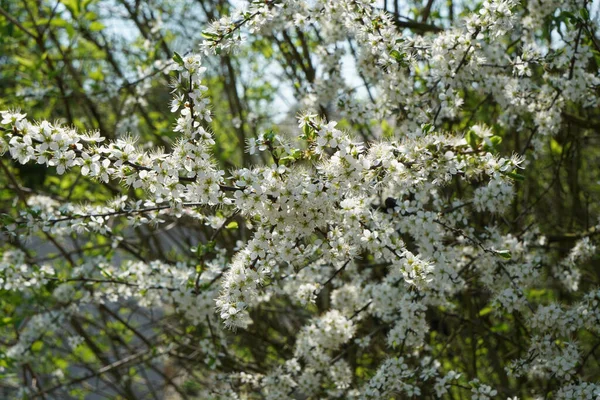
(583,391)
(328,333)
(548,357)
(163,175)
(371,242)
(496,16)
(17,274)
(567,271)
(481,392)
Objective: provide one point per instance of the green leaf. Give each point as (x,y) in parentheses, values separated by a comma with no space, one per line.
(73,6)
(232,225)
(58,22)
(269,135)
(286,160)
(105,273)
(516,176)
(306,130)
(24,61)
(496,140)
(386,129)
(96,26)
(209,35)
(570,16)
(70,31)
(177,58)
(399,57)
(555,147)
(37,346)
(537,293)
(485,311)
(427,128)
(567,14)
(97,75)
(85,353)
(472,139)
(504,254)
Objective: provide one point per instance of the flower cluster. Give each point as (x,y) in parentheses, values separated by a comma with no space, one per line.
(363,252)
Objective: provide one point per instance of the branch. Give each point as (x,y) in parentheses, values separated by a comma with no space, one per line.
(18,24)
